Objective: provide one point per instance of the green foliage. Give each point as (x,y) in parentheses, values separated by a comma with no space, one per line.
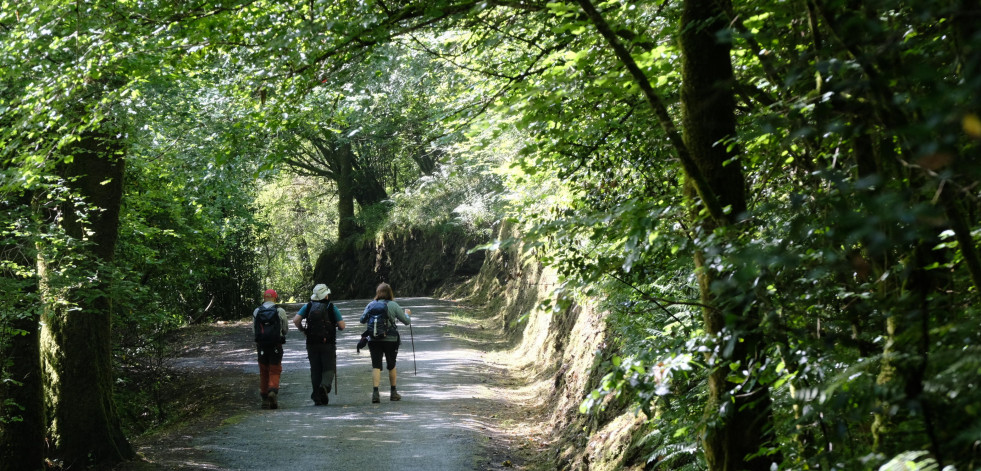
(466,195)
(188,226)
(296,219)
(187,236)
(846,256)
(852,279)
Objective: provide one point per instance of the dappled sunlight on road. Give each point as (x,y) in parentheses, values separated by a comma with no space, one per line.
(441,422)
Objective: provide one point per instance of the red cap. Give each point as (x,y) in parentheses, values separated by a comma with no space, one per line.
(270,293)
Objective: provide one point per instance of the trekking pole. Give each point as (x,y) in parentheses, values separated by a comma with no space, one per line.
(336,371)
(413,340)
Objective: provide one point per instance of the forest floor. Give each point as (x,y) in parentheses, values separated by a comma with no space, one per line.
(462,409)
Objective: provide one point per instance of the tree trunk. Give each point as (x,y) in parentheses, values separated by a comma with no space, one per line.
(369,189)
(21,441)
(909,315)
(346,225)
(905,356)
(306,266)
(21,398)
(708,108)
(21,391)
(427,160)
(75,341)
(738,425)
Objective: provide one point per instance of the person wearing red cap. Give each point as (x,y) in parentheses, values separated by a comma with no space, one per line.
(270,324)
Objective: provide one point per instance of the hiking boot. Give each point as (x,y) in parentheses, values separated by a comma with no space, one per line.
(324,395)
(273,400)
(265,401)
(375,397)
(395,396)
(316,398)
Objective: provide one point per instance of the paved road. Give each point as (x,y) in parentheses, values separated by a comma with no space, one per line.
(439,424)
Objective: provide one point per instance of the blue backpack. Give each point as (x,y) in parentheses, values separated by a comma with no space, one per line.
(379,325)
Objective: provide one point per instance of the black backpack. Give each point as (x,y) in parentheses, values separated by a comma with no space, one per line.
(379,325)
(268,327)
(320,323)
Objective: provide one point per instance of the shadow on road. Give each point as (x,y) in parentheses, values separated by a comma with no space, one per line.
(443,421)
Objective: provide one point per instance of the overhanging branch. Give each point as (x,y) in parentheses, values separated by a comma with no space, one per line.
(701,185)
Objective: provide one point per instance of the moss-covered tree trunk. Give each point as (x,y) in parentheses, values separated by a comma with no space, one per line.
(738,425)
(306,265)
(21,393)
(83,427)
(368,187)
(21,404)
(905,418)
(346,225)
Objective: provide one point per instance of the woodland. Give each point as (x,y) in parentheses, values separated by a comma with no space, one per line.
(776,203)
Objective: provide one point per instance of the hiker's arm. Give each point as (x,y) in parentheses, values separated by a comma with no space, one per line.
(394,308)
(364,316)
(337,318)
(284,322)
(298,318)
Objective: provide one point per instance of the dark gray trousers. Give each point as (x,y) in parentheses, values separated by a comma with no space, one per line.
(323,361)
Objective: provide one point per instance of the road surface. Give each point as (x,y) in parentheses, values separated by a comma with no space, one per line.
(443,422)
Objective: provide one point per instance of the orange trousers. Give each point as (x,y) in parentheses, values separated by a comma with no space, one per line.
(270,367)
(269,378)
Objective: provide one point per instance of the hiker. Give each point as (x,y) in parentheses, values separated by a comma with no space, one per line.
(270,324)
(384,339)
(323,321)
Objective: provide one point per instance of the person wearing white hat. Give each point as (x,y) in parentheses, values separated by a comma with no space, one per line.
(323,320)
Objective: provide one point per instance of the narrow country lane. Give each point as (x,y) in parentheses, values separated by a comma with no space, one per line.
(441,423)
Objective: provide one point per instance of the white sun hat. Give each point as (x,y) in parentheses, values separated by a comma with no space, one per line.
(320,292)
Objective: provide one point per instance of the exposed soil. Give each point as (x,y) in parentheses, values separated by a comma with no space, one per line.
(465,410)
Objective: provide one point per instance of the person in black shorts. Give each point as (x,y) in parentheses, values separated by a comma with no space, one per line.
(384,340)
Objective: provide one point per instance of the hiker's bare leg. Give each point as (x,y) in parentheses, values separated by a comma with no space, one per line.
(376,376)
(391,376)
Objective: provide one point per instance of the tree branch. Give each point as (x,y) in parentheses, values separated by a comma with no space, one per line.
(657,301)
(699,182)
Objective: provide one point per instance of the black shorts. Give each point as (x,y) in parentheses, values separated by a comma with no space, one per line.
(270,354)
(389,349)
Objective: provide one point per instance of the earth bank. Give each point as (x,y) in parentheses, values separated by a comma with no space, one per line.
(555,356)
